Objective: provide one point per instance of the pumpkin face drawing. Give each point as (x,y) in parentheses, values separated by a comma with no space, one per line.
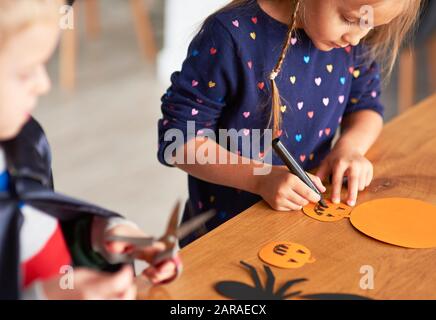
(333,212)
(286,255)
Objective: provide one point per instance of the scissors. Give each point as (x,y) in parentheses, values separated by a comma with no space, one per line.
(172,234)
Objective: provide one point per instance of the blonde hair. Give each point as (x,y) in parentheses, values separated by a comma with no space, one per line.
(17,15)
(384,44)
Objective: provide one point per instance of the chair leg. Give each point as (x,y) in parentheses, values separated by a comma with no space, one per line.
(431,54)
(68,56)
(144,30)
(407,77)
(92,18)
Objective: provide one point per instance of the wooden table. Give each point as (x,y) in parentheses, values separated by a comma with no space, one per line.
(404,159)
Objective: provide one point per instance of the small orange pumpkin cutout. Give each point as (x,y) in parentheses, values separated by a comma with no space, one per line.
(333,212)
(286,255)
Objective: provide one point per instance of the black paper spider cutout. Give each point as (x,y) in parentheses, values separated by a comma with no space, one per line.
(241,291)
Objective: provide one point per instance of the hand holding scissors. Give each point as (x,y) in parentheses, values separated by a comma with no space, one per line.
(161,252)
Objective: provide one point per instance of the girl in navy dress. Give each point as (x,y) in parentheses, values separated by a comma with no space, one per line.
(302,68)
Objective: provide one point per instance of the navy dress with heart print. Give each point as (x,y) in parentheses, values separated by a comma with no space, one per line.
(223,84)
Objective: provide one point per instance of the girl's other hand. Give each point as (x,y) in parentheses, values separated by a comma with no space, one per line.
(346,161)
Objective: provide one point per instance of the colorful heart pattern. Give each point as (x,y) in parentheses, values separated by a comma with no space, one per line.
(312,111)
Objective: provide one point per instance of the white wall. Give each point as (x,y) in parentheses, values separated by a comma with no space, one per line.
(183,19)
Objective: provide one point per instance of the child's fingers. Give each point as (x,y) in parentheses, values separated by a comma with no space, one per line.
(296,199)
(287,205)
(163,272)
(337,179)
(353,185)
(167,270)
(362,181)
(149,253)
(118,247)
(307,193)
(318,182)
(158,246)
(293,207)
(153,272)
(369,176)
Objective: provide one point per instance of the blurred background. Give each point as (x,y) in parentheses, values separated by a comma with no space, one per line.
(108,77)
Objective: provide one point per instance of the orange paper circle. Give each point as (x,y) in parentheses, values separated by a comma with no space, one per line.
(287,255)
(334,212)
(403,222)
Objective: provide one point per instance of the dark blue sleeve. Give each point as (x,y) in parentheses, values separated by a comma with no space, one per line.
(199,92)
(366,85)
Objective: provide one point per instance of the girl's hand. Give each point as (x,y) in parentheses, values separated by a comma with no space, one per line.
(284,191)
(93,285)
(346,161)
(156,274)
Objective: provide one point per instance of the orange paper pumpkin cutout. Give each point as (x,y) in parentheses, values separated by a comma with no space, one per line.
(334,212)
(403,222)
(286,255)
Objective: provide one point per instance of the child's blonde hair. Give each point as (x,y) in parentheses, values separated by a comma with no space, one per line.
(384,44)
(17,15)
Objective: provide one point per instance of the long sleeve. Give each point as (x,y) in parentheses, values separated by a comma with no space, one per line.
(202,89)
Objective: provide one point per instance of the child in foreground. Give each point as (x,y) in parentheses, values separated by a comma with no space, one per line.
(43,233)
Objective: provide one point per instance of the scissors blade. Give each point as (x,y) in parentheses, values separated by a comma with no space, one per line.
(136,241)
(172,223)
(194,224)
(182,232)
